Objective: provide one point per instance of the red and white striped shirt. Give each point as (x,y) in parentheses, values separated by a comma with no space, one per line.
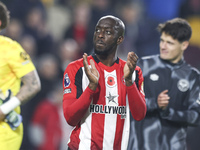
(101,117)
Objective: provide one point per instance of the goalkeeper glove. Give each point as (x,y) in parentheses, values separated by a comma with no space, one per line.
(12,118)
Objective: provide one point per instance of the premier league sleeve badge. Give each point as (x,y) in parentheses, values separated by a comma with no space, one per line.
(66,80)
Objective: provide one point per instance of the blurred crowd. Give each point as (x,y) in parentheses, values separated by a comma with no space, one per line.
(56,32)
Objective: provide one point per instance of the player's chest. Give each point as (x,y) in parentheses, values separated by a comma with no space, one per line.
(111,88)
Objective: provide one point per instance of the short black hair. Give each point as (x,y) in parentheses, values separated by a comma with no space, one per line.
(178,28)
(4,16)
(119,25)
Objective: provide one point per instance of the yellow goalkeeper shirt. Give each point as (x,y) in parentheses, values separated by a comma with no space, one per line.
(14,64)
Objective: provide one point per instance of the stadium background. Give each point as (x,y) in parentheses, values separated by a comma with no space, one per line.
(56,32)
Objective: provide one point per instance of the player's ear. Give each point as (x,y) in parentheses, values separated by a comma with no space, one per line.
(184,45)
(120,40)
(0,24)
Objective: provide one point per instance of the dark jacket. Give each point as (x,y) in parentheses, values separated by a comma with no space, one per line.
(166,129)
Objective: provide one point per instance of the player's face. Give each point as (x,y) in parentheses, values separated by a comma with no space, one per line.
(170,49)
(105,37)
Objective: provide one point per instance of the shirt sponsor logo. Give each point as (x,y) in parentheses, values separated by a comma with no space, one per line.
(66,91)
(183,85)
(121,110)
(66,80)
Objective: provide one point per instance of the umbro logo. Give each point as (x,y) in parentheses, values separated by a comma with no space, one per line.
(154,77)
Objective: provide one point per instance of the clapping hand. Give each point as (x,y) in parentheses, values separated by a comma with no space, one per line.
(163,99)
(91,72)
(130,67)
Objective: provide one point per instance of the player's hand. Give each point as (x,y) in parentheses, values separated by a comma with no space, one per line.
(91,72)
(13,119)
(2,115)
(3,99)
(163,99)
(130,67)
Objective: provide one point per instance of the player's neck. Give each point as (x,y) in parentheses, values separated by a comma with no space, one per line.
(108,60)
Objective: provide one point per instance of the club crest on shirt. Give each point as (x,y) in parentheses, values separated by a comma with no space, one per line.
(183,85)
(66,80)
(111,81)
(24,56)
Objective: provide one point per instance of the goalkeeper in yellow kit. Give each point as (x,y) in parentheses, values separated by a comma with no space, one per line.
(19,82)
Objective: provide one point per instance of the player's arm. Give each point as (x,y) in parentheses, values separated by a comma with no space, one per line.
(136,96)
(189,116)
(136,99)
(75,108)
(30,87)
